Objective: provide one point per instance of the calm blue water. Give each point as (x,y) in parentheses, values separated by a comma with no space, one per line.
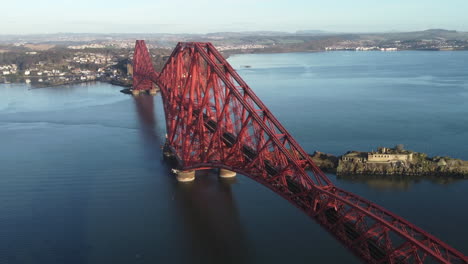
(82,179)
(360,100)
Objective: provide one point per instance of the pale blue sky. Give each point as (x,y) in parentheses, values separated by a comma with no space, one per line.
(202,16)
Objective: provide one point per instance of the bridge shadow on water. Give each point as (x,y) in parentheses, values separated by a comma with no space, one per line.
(148,126)
(210,217)
(205,209)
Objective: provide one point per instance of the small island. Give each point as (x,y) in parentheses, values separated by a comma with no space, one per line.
(391,161)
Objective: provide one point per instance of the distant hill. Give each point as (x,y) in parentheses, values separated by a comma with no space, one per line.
(423,35)
(261,41)
(247,33)
(313,32)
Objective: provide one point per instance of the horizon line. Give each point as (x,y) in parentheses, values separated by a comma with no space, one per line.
(318,31)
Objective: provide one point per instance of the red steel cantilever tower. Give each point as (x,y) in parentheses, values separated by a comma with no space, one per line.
(215,120)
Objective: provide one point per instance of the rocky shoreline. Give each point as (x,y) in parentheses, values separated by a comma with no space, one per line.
(56,82)
(391,162)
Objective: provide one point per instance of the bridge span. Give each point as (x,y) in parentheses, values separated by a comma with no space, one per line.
(215,120)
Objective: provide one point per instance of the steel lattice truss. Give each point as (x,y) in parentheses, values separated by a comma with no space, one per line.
(214,120)
(143,70)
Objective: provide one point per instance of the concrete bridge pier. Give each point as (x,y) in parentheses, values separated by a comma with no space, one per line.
(223,173)
(185,176)
(135,92)
(154,89)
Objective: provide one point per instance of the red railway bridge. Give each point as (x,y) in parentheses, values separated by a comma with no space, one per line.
(215,120)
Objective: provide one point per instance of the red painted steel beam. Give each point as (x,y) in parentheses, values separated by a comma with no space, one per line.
(215,120)
(144,74)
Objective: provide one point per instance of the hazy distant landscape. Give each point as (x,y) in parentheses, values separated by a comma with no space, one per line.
(255,41)
(65,58)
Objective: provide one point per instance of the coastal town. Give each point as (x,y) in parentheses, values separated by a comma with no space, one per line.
(80,63)
(74,67)
(51,60)
(430,45)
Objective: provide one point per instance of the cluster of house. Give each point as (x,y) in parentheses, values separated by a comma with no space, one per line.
(87,46)
(96,58)
(370,48)
(111,43)
(8,69)
(70,73)
(240,47)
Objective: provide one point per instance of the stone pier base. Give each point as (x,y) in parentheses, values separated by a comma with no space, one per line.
(223,173)
(153,91)
(135,92)
(185,176)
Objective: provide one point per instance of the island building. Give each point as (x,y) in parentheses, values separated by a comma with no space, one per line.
(383,155)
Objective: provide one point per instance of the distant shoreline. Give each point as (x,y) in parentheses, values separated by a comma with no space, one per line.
(228,54)
(20,80)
